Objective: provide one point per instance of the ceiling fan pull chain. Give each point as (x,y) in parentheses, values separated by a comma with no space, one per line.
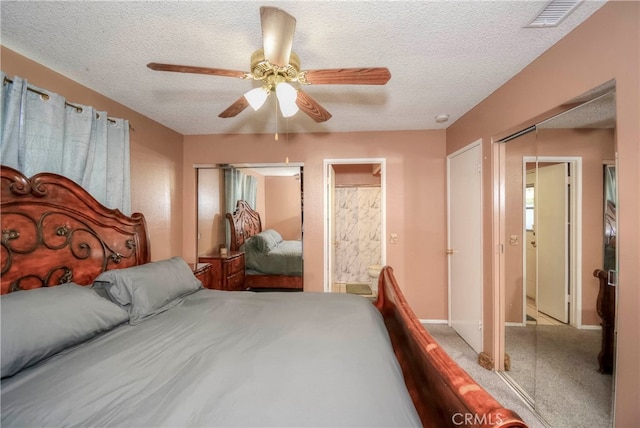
(276,134)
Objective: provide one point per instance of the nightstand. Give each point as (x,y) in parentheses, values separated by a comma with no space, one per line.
(227,272)
(202,271)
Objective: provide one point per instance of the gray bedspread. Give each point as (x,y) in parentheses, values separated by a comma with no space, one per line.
(283,259)
(224,359)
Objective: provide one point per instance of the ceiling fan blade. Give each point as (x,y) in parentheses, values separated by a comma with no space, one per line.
(311,107)
(197,70)
(347,76)
(277,35)
(235,108)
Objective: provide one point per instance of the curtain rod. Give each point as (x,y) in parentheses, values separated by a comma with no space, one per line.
(46,96)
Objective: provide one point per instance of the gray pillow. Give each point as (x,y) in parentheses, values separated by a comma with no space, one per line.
(277,238)
(148,289)
(263,242)
(39,323)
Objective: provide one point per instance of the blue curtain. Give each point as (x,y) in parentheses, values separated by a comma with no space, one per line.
(238,186)
(42,133)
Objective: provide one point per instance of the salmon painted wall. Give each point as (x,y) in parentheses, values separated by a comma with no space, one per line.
(604,47)
(211,223)
(282,207)
(415,199)
(356,175)
(156,153)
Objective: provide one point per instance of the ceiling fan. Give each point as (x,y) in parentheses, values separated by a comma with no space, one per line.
(277,66)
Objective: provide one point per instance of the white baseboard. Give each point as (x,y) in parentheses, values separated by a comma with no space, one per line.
(590,327)
(583,327)
(507,324)
(434,321)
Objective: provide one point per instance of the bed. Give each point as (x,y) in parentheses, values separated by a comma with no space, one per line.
(94,333)
(271,262)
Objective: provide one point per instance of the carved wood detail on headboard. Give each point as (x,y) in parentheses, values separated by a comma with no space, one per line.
(53,232)
(244,222)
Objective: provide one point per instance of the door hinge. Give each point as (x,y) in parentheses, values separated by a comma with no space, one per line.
(479,167)
(479,324)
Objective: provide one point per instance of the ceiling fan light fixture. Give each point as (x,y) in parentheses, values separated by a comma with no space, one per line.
(287,96)
(275,64)
(256,97)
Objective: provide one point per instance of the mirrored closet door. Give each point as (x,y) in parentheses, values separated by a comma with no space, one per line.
(273,190)
(559,270)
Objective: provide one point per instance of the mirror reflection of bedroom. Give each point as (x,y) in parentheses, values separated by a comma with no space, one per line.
(560,197)
(250,225)
(355,226)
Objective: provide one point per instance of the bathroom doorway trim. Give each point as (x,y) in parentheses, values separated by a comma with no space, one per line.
(328,186)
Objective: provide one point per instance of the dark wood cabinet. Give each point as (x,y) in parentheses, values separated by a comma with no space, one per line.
(202,271)
(227,272)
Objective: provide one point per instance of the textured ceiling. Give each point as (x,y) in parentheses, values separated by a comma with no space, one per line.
(597,111)
(444,56)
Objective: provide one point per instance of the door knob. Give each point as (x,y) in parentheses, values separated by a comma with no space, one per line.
(450,251)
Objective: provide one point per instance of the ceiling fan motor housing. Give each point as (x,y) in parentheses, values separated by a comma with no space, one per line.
(261,69)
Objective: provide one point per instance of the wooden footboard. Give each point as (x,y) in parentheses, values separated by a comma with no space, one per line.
(443,393)
(279,282)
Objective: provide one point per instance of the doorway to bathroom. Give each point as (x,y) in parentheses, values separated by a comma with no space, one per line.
(355,201)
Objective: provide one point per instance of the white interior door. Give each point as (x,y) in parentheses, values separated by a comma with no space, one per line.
(552,240)
(331,179)
(465,244)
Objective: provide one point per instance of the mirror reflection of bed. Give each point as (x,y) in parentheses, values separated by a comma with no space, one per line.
(273,193)
(271,262)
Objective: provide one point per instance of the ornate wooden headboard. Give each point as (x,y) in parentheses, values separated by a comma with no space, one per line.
(244,223)
(53,232)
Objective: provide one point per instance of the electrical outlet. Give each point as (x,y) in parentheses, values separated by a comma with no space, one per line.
(393,238)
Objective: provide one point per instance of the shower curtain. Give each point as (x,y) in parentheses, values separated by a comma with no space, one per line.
(357,224)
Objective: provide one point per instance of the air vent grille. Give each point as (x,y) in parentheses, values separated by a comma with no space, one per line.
(554,13)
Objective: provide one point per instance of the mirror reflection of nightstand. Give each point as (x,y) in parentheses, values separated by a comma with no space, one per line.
(227,272)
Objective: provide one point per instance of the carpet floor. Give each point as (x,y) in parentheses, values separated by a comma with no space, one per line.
(557,365)
(467,358)
(563,379)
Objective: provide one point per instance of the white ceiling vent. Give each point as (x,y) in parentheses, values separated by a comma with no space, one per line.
(554,13)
